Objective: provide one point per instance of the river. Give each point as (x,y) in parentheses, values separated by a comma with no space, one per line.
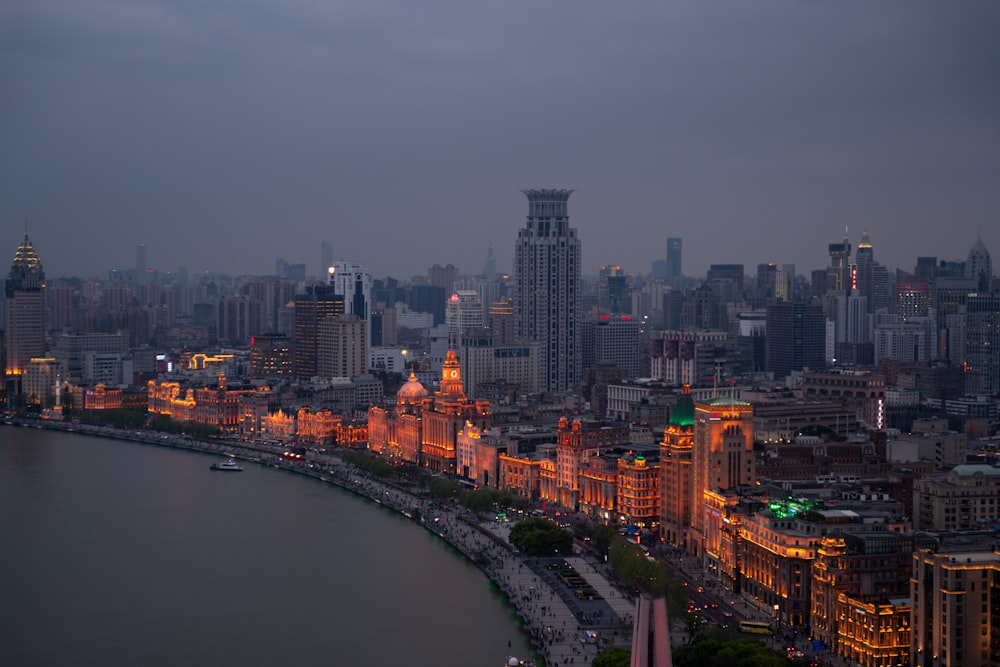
(116,553)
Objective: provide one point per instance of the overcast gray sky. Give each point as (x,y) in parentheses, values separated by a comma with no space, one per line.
(226,133)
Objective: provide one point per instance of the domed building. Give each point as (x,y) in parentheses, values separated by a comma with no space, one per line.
(422,428)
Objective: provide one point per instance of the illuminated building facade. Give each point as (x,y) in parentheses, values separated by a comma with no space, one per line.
(96,397)
(859,602)
(423,429)
(955,600)
(24,316)
(721,456)
(521,474)
(447,413)
(638,492)
(39,381)
(547,287)
(768,560)
(576,442)
(676,473)
(217,406)
(598,482)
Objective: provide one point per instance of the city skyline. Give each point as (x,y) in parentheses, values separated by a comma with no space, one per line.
(403,135)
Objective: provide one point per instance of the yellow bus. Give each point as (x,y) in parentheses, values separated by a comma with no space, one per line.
(756,627)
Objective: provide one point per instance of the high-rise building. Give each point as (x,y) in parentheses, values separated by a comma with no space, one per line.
(342,347)
(838,275)
(912,296)
(270,356)
(612,338)
(24,335)
(354,283)
(443,277)
(674,267)
(796,337)
(547,286)
(463,311)
(721,457)
(955,585)
(979,266)
(676,476)
(490,265)
(318,303)
(325,256)
(502,322)
(982,344)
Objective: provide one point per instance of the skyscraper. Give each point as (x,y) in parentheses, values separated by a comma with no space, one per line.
(325,256)
(547,286)
(979,265)
(796,337)
(490,265)
(674,268)
(982,340)
(311,308)
(24,335)
(353,283)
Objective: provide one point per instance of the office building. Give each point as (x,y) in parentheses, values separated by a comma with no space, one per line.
(721,457)
(353,283)
(674,267)
(463,311)
(24,316)
(547,286)
(341,347)
(311,308)
(270,356)
(796,337)
(979,266)
(982,344)
(954,593)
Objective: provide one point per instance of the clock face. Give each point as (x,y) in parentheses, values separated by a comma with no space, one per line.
(454,373)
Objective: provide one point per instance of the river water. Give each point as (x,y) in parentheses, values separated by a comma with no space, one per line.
(116,553)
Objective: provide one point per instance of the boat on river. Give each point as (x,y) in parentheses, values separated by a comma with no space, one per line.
(229,465)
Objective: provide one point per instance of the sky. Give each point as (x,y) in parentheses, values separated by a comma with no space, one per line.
(224,134)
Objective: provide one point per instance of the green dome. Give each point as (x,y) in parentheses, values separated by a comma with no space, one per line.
(683,413)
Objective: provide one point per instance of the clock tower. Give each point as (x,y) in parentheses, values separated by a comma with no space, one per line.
(451,377)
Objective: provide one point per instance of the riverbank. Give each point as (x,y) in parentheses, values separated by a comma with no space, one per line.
(558,633)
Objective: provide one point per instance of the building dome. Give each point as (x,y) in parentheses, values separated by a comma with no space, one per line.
(411,391)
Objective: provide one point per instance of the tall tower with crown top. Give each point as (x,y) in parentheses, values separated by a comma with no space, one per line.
(547,287)
(24,314)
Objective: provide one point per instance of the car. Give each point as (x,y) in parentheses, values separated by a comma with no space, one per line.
(728,614)
(715,605)
(701,589)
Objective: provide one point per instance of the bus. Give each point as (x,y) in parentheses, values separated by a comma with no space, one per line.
(756,627)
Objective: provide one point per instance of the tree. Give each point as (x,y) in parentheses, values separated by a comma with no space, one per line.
(612,657)
(440,487)
(732,653)
(541,537)
(479,501)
